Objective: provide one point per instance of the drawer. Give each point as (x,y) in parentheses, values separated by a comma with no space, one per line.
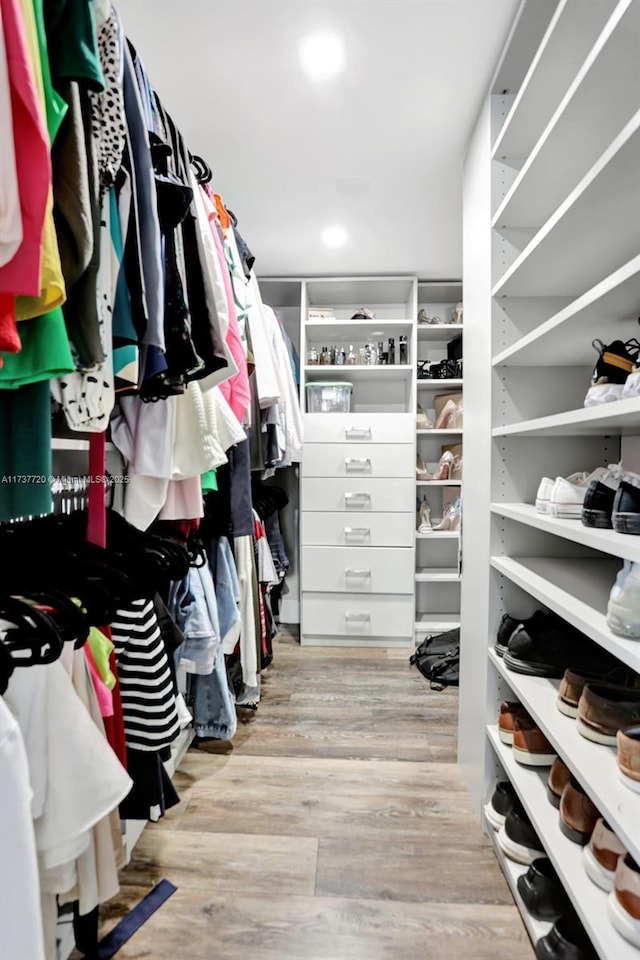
(359,615)
(359,428)
(358,460)
(358,494)
(352,530)
(358,570)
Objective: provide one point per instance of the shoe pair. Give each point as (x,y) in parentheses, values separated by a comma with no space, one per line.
(612,868)
(616,375)
(623,609)
(449,417)
(564,497)
(545,899)
(613,502)
(545,645)
(445,467)
(519,731)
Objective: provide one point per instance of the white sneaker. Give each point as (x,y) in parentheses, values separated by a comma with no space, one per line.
(543,496)
(567,496)
(631,386)
(623,610)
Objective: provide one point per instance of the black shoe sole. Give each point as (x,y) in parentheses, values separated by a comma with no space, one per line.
(577,836)
(533,669)
(553,798)
(627,523)
(500,648)
(596,518)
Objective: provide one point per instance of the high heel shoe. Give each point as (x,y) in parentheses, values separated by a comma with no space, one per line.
(423,517)
(451,413)
(444,467)
(422,420)
(451,518)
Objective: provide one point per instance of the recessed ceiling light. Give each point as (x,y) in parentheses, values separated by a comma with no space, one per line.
(322,55)
(334,237)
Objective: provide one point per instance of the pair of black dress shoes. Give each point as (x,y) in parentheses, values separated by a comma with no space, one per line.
(545,898)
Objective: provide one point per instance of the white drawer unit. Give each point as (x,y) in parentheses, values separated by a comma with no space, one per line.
(352,530)
(357,460)
(359,428)
(358,494)
(358,617)
(367,570)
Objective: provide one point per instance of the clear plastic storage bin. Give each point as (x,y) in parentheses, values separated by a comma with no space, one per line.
(329,397)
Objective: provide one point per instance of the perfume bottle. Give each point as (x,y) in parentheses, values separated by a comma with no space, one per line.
(341,359)
(351,357)
(312,357)
(381,353)
(333,356)
(392,351)
(404,357)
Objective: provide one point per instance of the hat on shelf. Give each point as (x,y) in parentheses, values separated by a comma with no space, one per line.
(363,314)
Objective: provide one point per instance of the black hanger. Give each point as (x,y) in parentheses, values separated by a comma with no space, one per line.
(33,638)
(202,169)
(7,667)
(70,618)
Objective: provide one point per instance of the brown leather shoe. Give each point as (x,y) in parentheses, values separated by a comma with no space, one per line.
(559,777)
(629,757)
(509,710)
(601,855)
(570,691)
(624,900)
(604,709)
(578,815)
(530,746)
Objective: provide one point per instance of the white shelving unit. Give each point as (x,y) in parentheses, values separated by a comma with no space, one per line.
(438,573)
(551,263)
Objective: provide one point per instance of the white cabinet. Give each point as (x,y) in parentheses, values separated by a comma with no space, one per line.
(334,619)
(357,494)
(357,460)
(351,529)
(348,570)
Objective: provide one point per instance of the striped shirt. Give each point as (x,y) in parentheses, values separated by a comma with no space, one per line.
(146,684)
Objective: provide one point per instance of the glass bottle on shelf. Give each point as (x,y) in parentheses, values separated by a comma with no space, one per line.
(362,357)
(351,357)
(403,350)
(382,358)
(312,357)
(392,351)
(333,356)
(341,359)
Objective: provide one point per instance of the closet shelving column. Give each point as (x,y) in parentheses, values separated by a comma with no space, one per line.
(357,499)
(566,269)
(438,568)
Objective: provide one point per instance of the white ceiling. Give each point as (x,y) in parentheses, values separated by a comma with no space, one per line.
(378,149)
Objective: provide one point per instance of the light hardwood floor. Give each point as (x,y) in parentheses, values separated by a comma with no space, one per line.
(337,828)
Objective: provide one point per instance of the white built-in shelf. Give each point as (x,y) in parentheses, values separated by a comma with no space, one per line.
(608,541)
(583,125)
(358,291)
(620,418)
(383,371)
(438,483)
(567,857)
(437,575)
(439,332)
(535,928)
(565,338)
(436,622)
(332,330)
(439,433)
(439,291)
(618,805)
(438,384)
(577,590)
(71,445)
(566,255)
(570,34)
(439,534)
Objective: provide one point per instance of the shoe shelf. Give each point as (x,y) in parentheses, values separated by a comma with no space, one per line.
(605,201)
(589,900)
(436,623)
(607,541)
(439,332)
(438,384)
(438,575)
(393,371)
(439,433)
(565,338)
(571,32)
(617,804)
(439,535)
(535,928)
(586,120)
(578,591)
(438,483)
(619,418)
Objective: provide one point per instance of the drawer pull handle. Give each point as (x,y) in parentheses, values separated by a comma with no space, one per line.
(361,532)
(354,572)
(357,498)
(358,433)
(351,617)
(357,464)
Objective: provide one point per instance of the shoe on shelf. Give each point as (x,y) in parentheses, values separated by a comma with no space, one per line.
(632,383)
(625,517)
(614,364)
(597,506)
(422,420)
(624,900)
(445,465)
(601,855)
(623,609)
(450,416)
(423,318)
(578,814)
(423,524)
(567,940)
(506,628)
(629,757)
(509,711)
(574,682)
(530,746)
(452,517)
(544,647)
(543,495)
(604,709)
(503,799)
(363,313)
(542,892)
(568,494)
(517,838)
(558,778)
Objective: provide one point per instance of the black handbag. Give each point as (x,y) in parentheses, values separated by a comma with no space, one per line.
(438,659)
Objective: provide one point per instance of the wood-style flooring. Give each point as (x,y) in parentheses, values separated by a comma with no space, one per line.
(337,828)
